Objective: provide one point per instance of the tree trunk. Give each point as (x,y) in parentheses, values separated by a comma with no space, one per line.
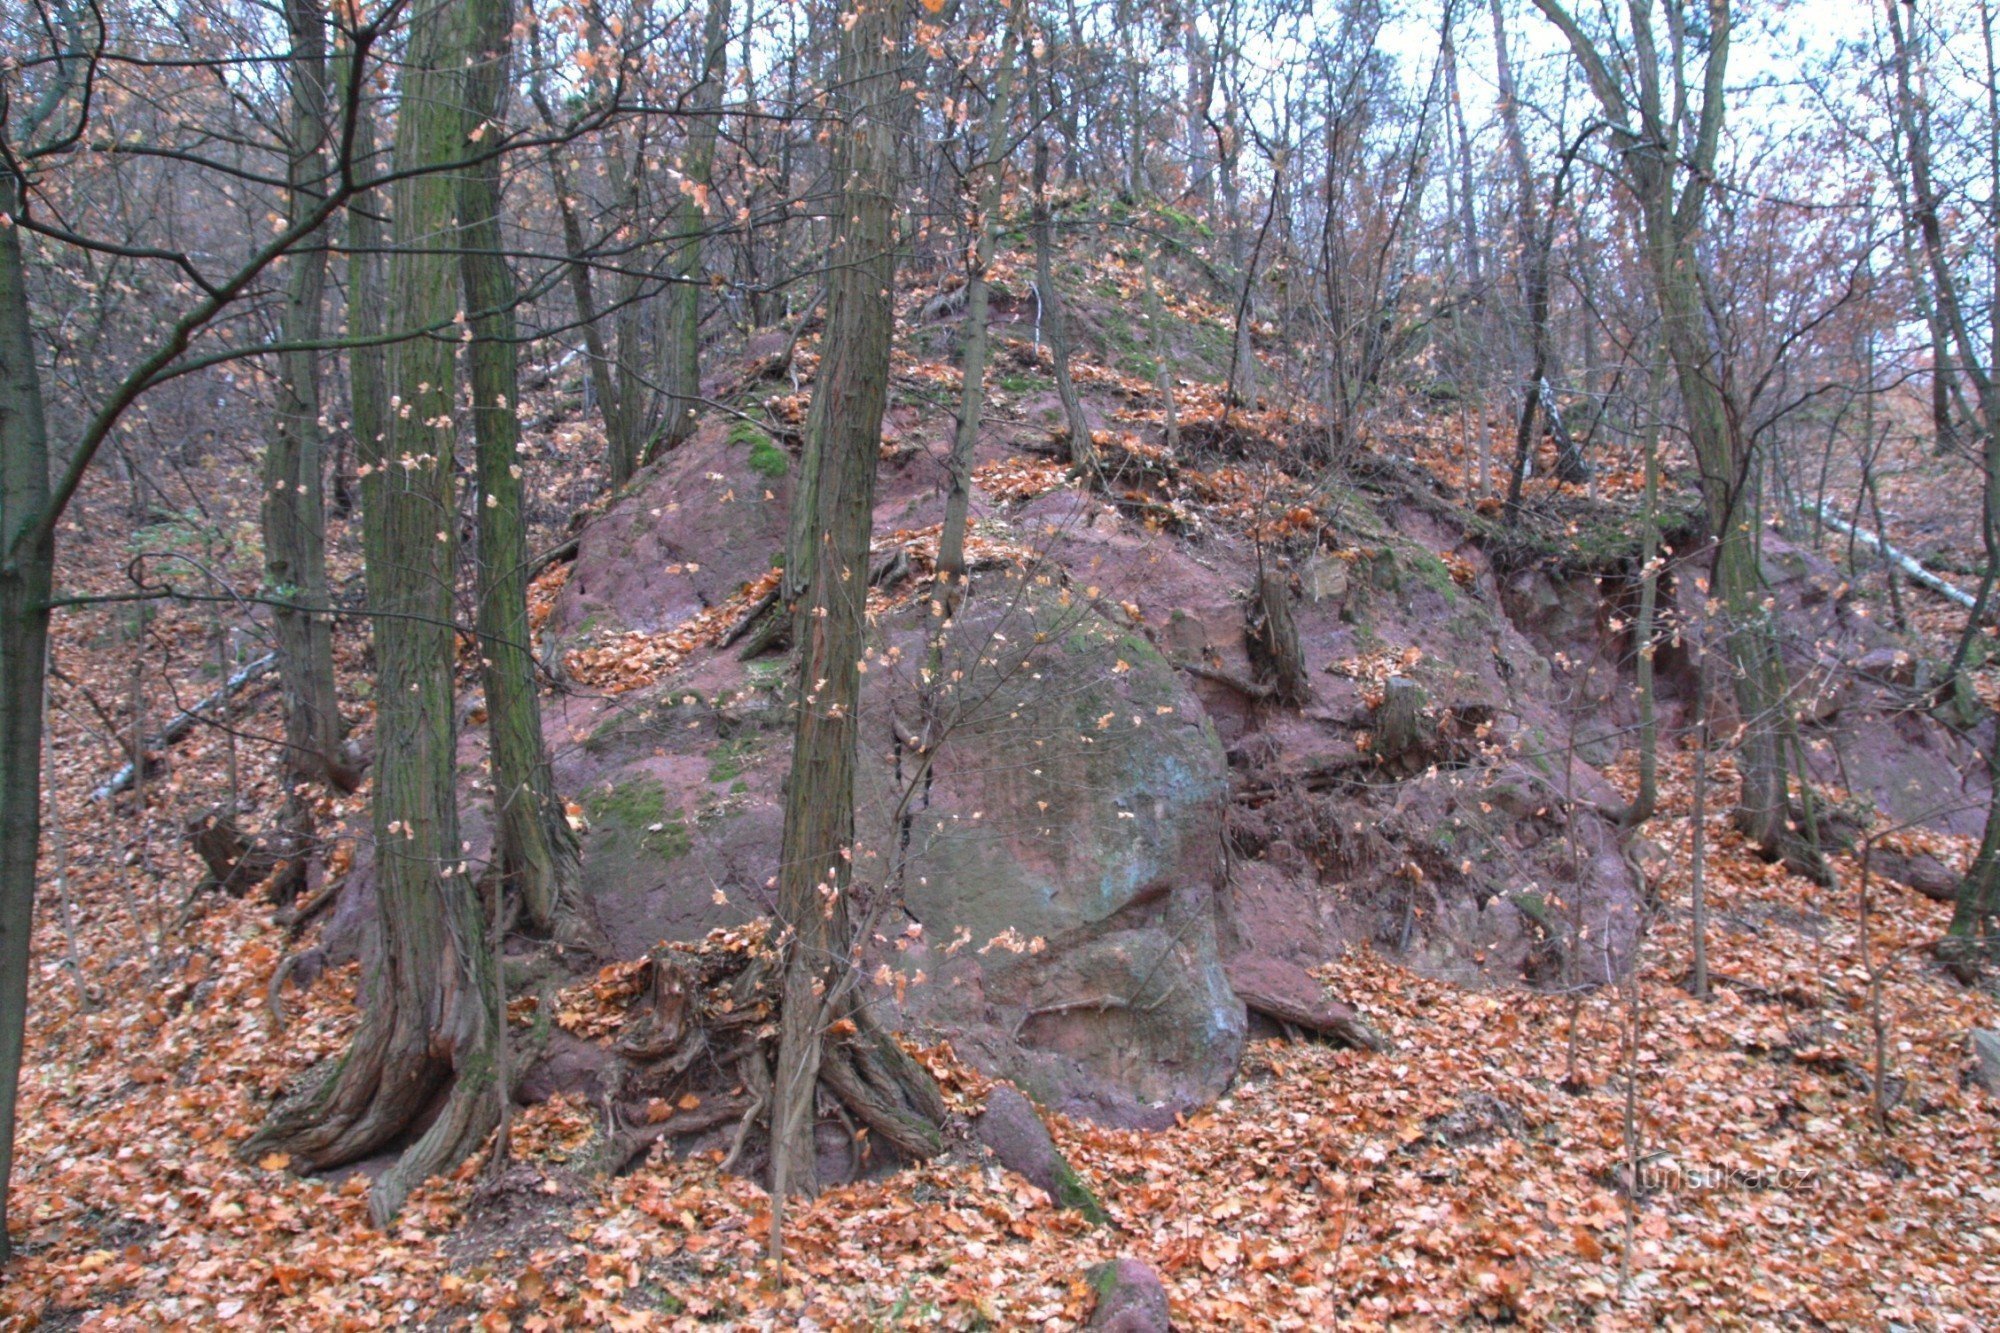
(584,296)
(1763,805)
(1275,638)
(1534,263)
(972,395)
(27,578)
(535,845)
(1979,893)
(1160,339)
(844,432)
(294,516)
(431,1014)
(1671,195)
(1082,449)
(1643,634)
(690,220)
(367,283)
(636,396)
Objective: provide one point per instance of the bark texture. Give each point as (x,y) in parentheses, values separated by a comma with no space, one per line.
(536,847)
(431,1016)
(294,510)
(863,1067)
(27,576)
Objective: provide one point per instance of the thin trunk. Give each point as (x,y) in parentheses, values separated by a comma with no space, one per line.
(1941,435)
(1160,339)
(1979,892)
(1671,191)
(629,189)
(535,845)
(431,1015)
(1698,891)
(1082,449)
(294,515)
(843,444)
(1533,274)
(972,396)
(1200,92)
(1648,797)
(1468,222)
(584,296)
(367,283)
(582,287)
(27,578)
(683,312)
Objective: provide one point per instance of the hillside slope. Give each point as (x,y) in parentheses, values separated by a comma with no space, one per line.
(1122,846)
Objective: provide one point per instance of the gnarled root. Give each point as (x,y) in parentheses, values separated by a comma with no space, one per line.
(706,1014)
(391,1076)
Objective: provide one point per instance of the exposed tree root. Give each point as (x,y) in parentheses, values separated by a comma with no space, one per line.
(696,1049)
(404,1061)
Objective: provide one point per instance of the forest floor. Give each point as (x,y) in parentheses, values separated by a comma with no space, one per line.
(1479,1171)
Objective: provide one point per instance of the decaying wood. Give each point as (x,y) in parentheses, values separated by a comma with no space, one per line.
(1400,731)
(1247,688)
(1274,637)
(751,615)
(235,861)
(1329,1019)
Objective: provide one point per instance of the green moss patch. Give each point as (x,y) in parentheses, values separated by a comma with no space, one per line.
(636,812)
(766,458)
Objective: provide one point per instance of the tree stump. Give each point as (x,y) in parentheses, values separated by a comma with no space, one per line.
(1401,730)
(1274,637)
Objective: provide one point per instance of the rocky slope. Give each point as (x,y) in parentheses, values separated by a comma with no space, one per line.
(1120,843)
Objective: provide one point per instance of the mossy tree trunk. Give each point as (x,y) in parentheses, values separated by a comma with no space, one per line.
(989,178)
(27,578)
(864,1068)
(690,221)
(431,1013)
(367,280)
(293,508)
(534,844)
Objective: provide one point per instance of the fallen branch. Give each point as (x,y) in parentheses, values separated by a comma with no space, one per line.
(183,722)
(562,551)
(1248,689)
(1911,567)
(1326,1017)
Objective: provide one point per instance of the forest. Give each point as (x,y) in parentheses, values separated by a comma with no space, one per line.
(1118,664)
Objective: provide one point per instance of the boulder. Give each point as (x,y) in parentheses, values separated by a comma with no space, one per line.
(1916,870)
(1986,1059)
(1059,864)
(1012,1128)
(1130,1298)
(690,532)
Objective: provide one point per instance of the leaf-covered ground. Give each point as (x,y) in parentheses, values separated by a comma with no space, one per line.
(1478,1171)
